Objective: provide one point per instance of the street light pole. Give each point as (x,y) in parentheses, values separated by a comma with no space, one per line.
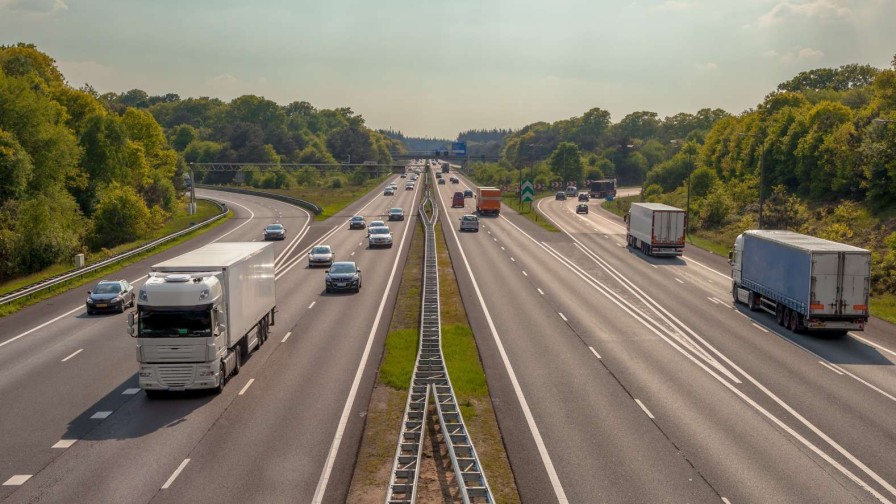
(687,229)
(761,171)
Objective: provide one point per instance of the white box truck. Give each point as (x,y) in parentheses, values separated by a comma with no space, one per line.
(805,282)
(199,314)
(656,229)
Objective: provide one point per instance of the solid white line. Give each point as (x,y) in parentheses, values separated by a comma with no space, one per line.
(64,443)
(350,400)
(45,324)
(99,415)
(832,368)
(72,355)
(17,480)
(594,352)
(175,474)
(541,292)
(757,326)
(726,501)
(563,317)
(130,391)
(512,259)
(525,274)
(251,216)
(311,305)
(649,414)
(246,386)
(679,280)
(743,315)
(872,344)
(286,337)
(713,300)
(655,266)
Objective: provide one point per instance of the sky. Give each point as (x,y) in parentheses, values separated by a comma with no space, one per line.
(436,68)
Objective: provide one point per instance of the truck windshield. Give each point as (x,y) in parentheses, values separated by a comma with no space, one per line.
(176,324)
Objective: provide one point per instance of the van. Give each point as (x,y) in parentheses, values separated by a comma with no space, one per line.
(458,200)
(571,191)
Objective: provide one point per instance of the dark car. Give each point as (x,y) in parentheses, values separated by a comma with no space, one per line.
(441,181)
(110,295)
(583,196)
(438,175)
(343,276)
(396,214)
(455,180)
(468,193)
(582,208)
(357,222)
(457,200)
(274,232)
(560,195)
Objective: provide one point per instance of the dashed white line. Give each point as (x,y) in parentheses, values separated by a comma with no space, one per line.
(246,386)
(17,480)
(606,236)
(832,368)
(286,337)
(502,248)
(679,280)
(175,474)
(743,315)
(757,326)
(353,253)
(495,239)
(99,415)
(649,414)
(563,317)
(621,245)
(540,292)
(73,354)
(524,273)
(512,259)
(594,352)
(726,501)
(654,266)
(311,305)
(130,391)
(64,443)
(713,300)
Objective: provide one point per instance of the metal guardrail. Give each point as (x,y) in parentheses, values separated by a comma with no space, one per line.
(288,199)
(36,287)
(431,378)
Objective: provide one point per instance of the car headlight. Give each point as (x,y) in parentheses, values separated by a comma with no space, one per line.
(89,301)
(115,299)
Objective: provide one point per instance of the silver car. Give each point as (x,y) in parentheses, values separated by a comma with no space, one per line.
(321,255)
(469,222)
(379,236)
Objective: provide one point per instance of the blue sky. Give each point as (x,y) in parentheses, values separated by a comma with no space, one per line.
(434,68)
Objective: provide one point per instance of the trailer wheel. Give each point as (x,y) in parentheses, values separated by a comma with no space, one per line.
(751,301)
(779,314)
(794,321)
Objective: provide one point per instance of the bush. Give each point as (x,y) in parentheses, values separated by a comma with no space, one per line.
(121,216)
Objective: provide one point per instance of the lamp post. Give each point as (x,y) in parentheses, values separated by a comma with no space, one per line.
(192,208)
(761,170)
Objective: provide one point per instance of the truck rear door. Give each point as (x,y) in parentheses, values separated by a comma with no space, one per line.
(667,228)
(839,284)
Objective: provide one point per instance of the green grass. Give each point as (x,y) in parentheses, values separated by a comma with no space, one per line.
(710,245)
(398,358)
(528,211)
(332,201)
(883,306)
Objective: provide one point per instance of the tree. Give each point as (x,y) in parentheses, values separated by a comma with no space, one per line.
(15,167)
(121,215)
(566,162)
(351,141)
(48,229)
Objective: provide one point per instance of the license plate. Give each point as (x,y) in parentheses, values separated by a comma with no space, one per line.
(102,305)
(341,285)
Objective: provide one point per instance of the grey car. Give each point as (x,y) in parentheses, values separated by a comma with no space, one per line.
(274,232)
(110,295)
(321,255)
(343,276)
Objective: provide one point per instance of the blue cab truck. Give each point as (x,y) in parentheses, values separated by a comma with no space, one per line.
(806,282)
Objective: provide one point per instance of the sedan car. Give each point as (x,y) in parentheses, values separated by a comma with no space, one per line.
(468,193)
(379,236)
(409,186)
(469,222)
(357,222)
(110,295)
(560,195)
(343,276)
(582,208)
(274,232)
(455,180)
(376,223)
(441,181)
(583,196)
(389,191)
(321,255)
(396,214)
(404,175)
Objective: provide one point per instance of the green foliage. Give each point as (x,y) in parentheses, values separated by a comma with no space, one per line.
(566,163)
(46,228)
(121,215)
(15,167)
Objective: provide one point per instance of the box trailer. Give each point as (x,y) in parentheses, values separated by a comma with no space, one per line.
(804,281)
(488,200)
(656,229)
(199,314)
(605,188)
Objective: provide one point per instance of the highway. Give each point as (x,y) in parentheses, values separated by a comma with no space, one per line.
(622,378)
(77,428)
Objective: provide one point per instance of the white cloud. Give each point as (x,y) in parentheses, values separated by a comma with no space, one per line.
(34,6)
(808,53)
(706,67)
(674,5)
(820,9)
(788,57)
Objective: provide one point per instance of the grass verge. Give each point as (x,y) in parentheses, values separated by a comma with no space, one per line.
(883,306)
(527,210)
(331,200)
(17,305)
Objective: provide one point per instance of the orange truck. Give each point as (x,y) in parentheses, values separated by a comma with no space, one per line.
(488,200)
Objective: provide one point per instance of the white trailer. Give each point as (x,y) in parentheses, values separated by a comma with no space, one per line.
(199,314)
(805,282)
(656,229)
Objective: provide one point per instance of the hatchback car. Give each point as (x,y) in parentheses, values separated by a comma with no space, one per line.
(441,181)
(409,186)
(468,193)
(357,222)
(469,222)
(379,236)
(274,232)
(110,295)
(560,195)
(583,196)
(396,214)
(582,208)
(389,191)
(404,175)
(321,255)
(455,180)
(343,276)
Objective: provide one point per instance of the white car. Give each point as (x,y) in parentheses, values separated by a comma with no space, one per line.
(379,236)
(321,255)
(377,223)
(469,222)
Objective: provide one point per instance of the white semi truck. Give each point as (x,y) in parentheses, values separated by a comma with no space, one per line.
(805,282)
(656,229)
(199,314)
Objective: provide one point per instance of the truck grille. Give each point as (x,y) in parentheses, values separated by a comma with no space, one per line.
(174,353)
(175,376)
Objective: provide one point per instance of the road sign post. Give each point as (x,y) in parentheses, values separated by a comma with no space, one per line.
(527,192)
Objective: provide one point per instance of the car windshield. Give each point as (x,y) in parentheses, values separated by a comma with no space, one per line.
(357,218)
(342,268)
(274,227)
(107,288)
(469,217)
(174,324)
(320,250)
(379,230)
(396,210)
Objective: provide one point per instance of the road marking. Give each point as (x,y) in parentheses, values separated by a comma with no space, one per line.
(872,344)
(563,317)
(832,368)
(130,391)
(64,443)
(743,315)
(713,300)
(524,273)
(679,280)
(649,414)
(99,415)
(17,480)
(502,248)
(540,292)
(45,324)
(654,266)
(353,253)
(246,386)
(311,305)
(72,355)
(757,326)
(594,352)
(621,245)
(512,259)
(726,501)
(286,337)
(176,474)
(606,236)
(495,239)
(719,300)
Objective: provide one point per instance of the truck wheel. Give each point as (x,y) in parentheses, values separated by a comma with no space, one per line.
(779,314)
(223,380)
(237,359)
(751,301)
(795,322)
(734,293)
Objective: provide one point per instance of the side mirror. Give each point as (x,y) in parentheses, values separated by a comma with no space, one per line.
(88,292)
(326,271)
(359,270)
